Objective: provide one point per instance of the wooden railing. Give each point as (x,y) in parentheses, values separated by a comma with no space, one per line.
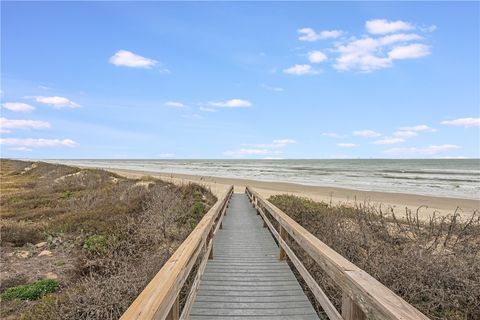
(160,298)
(362,295)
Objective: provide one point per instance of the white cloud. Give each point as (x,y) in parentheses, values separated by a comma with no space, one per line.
(398,37)
(273,148)
(308,34)
(366,133)
(164,70)
(129,59)
(388,41)
(300,70)
(208,109)
(166,155)
(464,122)
(7,124)
(18,107)
(232,103)
(382,26)
(34,143)
(405,134)
(21,149)
(330,34)
(57,102)
(270,88)
(347,145)
(246,152)
(192,116)
(426,151)
(283,142)
(331,135)
(174,104)
(430,28)
(389,140)
(278,143)
(316,56)
(419,128)
(411,51)
(368,54)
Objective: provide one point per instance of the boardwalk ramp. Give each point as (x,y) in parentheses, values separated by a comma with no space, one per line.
(246,279)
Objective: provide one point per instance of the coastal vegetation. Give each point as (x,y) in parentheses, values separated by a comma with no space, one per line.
(434,265)
(83,243)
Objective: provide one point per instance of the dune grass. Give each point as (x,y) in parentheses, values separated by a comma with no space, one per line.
(108,236)
(434,265)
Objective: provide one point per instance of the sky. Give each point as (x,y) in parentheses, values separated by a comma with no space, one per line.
(240,80)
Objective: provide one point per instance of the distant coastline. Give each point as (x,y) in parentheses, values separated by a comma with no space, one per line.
(452,178)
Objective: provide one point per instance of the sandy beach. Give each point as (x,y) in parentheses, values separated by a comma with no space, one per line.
(397,201)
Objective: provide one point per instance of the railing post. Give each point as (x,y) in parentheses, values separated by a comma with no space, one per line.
(209,237)
(350,310)
(174,313)
(283,235)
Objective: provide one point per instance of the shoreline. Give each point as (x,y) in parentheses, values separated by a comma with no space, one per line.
(334,195)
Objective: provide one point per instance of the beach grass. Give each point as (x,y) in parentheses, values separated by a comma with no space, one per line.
(99,236)
(434,265)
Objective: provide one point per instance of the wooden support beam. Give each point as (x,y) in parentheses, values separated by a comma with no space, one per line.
(210,236)
(283,235)
(174,313)
(350,310)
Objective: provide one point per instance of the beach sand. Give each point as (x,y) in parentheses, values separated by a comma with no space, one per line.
(398,201)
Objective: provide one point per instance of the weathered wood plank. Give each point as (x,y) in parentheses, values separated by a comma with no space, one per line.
(251,312)
(278,299)
(256,317)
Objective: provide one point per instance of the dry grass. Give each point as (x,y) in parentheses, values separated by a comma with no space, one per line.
(433,265)
(109,235)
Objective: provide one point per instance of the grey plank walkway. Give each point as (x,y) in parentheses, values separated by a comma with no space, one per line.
(245,279)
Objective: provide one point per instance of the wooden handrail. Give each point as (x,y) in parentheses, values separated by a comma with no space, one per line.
(159,299)
(363,296)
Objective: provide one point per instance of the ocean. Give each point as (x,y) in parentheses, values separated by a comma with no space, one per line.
(458,178)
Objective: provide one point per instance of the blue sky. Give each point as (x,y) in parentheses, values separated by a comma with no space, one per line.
(240,80)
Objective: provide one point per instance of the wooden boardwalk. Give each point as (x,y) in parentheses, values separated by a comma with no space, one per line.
(246,279)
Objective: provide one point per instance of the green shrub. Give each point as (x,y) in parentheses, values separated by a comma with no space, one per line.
(31,291)
(66,194)
(96,243)
(198,206)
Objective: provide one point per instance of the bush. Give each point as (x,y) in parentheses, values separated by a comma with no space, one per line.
(21,232)
(31,291)
(96,243)
(66,194)
(434,264)
(198,206)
